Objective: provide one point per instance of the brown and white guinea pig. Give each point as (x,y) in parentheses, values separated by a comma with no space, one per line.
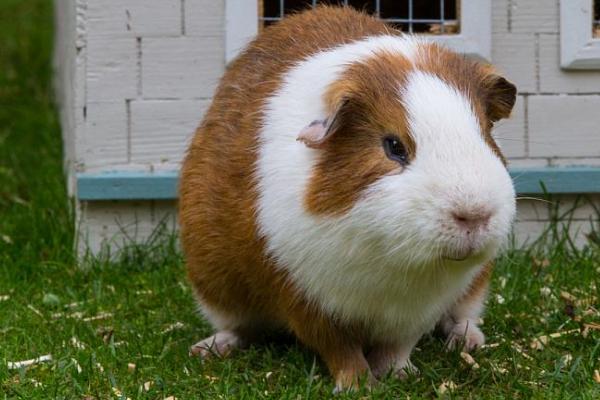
(344,186)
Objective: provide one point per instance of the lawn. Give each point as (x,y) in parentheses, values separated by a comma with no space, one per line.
(122,329)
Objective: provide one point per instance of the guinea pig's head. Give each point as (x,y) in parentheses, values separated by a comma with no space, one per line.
(407,160)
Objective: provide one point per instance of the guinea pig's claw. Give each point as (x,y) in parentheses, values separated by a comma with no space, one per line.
(466,336)
(343,385)
(221,344)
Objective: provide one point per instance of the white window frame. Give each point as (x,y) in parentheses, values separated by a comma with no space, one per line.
(474,39)
(241,25)
(578,48)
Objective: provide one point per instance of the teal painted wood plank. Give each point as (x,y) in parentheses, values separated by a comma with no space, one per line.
(127,186)
(556,180)
(163,185)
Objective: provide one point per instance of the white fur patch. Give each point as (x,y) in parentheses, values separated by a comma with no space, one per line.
(380,263)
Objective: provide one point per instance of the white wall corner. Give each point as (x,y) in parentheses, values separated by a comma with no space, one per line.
(475,38)
(578,49)
(241,25)
(69,66)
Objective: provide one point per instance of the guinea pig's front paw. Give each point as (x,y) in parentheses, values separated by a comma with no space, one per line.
(221,344)
(348,382)
(465,333)
(384,359)
(406,370)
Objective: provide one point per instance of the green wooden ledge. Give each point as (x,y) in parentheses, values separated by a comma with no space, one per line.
(120,185)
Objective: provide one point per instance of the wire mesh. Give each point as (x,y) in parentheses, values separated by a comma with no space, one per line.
(596,19)
(413,16)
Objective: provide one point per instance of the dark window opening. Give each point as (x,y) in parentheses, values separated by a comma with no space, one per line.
(596,22)
(437,17)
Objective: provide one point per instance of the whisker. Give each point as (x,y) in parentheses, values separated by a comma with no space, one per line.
(518,140)
(535,198)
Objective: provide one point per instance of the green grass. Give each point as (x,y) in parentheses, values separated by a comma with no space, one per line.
(147,314)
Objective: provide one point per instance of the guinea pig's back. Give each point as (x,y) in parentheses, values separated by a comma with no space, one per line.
(218,193)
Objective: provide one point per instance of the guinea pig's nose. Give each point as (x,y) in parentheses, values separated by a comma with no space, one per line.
(471,220)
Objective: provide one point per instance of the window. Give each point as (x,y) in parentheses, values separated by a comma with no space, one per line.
(596,22)
(424,17)
(579,34)
(463,25)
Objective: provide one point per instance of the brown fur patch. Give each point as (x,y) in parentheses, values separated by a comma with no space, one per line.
(477,81)
(225,255)
(354,156)
(480,284)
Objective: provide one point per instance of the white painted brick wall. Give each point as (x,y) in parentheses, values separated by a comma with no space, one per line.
(205,18)
(578,162)
(135,76)
(555,132)
(184,67)
(114,57)
(134,18)
(110,224)
(103,143)
(527,16)
(527,232)
(579,215)
(69,59)
(510,133)
(161,129)
(514,55)
(111,71)
(553,79)
(500,19)
(576,207)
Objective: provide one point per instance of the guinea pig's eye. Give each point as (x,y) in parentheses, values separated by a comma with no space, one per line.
(395,150)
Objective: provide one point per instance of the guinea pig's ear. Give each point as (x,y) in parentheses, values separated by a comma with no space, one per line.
(500,97)
(318,131)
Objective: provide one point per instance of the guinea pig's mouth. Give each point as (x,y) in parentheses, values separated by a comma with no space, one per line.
(465,252)
(455,258)
(469,252)
(459,253)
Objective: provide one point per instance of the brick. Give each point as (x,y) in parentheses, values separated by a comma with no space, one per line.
(529,16)
(109,226)
(181,67)
(204,18)
(527,232)
(510,133)
(134,18)
(564,126)
(165,213)
(576,207)
(65,62)
(532,210)
(161,129)
(555,80)
(572,162)
(584,230)
(578,231)
(103,141)
(527,162)
(112,71)
(106,18)
(514,56)
(500,20)
(584,207)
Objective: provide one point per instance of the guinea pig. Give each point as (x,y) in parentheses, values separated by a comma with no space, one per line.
(344,186)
